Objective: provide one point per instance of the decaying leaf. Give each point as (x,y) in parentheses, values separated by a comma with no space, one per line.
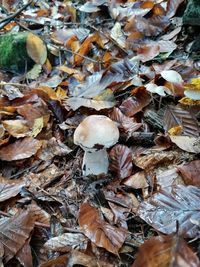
(9,189)
(21,149)
(141,98)
(121,161)
(165,251)
(177,116)
(79,258)
(66,242)
(163,210)
(100,232)
(187,143)
(191,172)
(15,231)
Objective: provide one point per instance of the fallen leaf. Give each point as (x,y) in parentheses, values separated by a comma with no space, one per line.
(165,251)
(21,149)
(15,231)
(100,232)
(172,6)
(137,180)
(132,105)
(190,172)
(66,242)
(164,209)
(16,128)
(121,161)
(187,143)
(177,116)
(9,189)
(78,258)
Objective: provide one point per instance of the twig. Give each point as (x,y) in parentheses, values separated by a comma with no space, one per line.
(75,53)
(8,19)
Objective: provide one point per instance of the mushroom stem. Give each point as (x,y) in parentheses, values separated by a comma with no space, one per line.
(95,162)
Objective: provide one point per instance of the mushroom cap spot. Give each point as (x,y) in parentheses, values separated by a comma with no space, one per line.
(96,130)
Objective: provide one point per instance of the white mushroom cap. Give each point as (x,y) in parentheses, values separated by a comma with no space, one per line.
(96,130)
(171,76)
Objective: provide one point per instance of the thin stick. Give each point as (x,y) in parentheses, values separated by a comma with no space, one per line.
(7,20)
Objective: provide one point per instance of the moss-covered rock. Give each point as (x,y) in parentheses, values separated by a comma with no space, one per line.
(192,13)
(13,53)
(20,51)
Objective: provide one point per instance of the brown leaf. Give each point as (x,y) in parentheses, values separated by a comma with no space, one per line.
(191,172)
(133,105)
(21,149)
(67,242)
(187,143)
(78,258)
(151,160)
(137,180)
(148,52)
(125,123)
(9,188)
(166,179)
(165,251)
(176,116)
(172,6)
(100,232)
(164,209)
(15,231)
(121,161)
(34,111)
(60,261)
(16,128)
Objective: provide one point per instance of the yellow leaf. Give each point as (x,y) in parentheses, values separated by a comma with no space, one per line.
(196,81)
(76,73)
(37,126)
(60,93)
(176,130)
(106,95)
(188,101)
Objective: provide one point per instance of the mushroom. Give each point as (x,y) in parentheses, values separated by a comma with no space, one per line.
(94,134)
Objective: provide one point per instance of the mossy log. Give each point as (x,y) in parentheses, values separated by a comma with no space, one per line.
(20,51)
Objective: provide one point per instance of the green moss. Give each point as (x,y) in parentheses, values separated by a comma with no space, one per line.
(192,13)
(13,54)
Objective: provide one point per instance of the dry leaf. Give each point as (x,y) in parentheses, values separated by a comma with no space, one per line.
(121,161)
(21,149)
(164,209)
(191,172)
(165,251)
(100,232)
(15,231)
(66,242)
(187,143)
(177,116)
(16,128)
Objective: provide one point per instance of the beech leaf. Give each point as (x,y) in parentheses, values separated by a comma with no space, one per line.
(21,149)
(100,232)
(164,209)
(15,231)
(176,116)
(121,161)
(165,251)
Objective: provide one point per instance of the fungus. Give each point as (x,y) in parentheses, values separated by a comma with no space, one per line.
(94,134)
